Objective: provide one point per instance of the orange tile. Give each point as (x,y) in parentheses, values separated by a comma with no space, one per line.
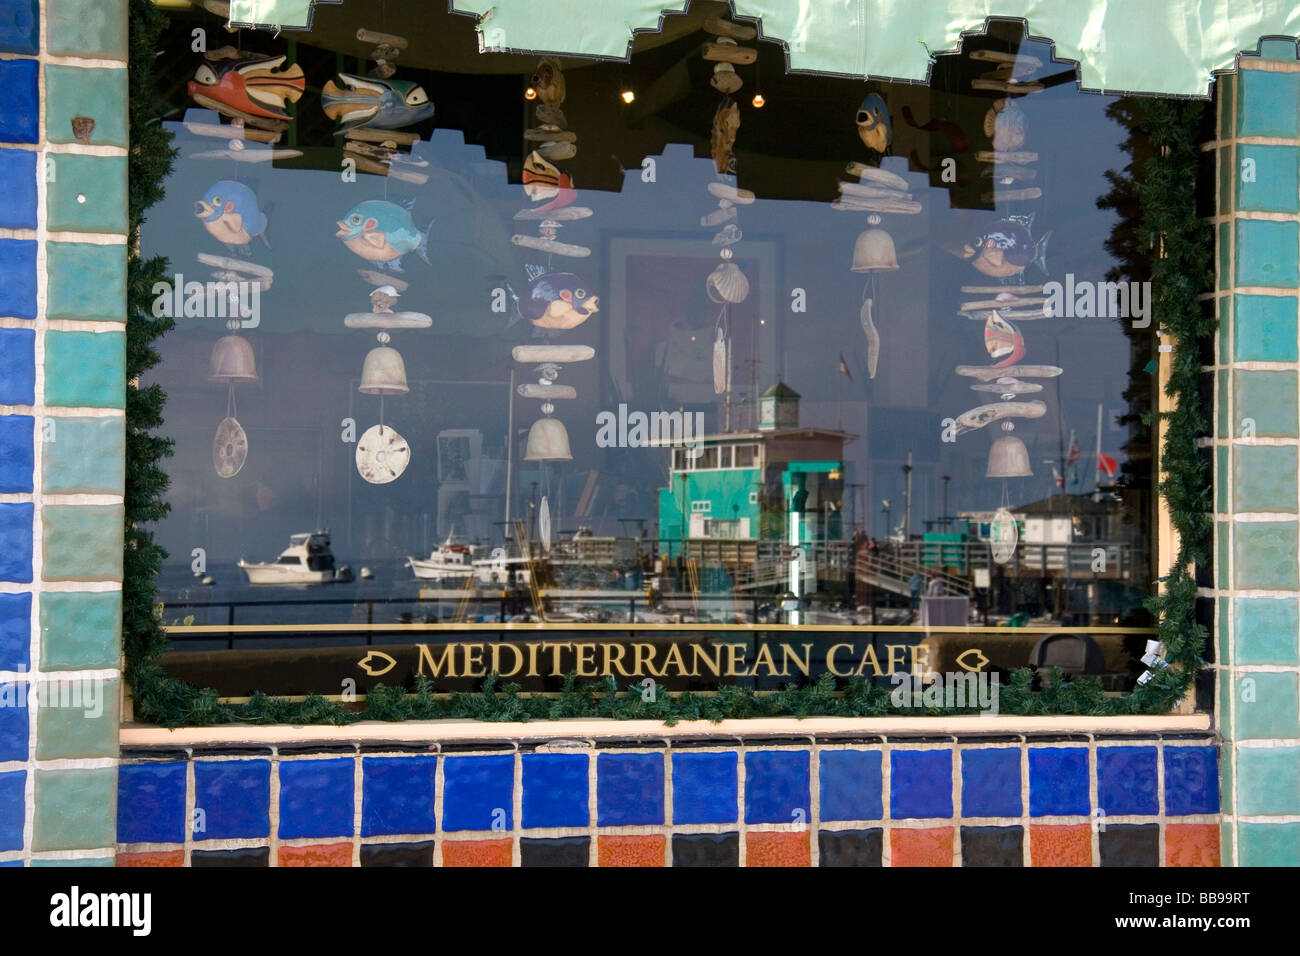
(477,852)
(646,849)
(152,858)
(323,854)
(931,846)
(1053,845)
(784,848)
(1192,844)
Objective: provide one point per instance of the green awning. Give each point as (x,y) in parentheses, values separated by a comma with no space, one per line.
(1170,47)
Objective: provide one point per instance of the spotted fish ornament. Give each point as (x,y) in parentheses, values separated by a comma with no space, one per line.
(1007,248)
(543,180)
(383,232)
(875,128)
(374,103)
(253,88)
(230,213)
(557,301)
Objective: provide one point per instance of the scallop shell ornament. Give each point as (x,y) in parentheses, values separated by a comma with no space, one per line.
(727,283)
(229,448)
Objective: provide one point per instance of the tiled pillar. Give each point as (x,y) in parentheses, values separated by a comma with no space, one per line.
(63,221)
(1257,429)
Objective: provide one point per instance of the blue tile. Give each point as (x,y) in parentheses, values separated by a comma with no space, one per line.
(17,458)
(13,722)
(990,782)
(920,784)
(1191,780)
(20,26)
(1058,781)
(11,862)
(556,790)
(1266,253)
(1268,103)
(21,113)
(316,798)
(777,786)
(17,367)
(1264,328)
(18,198)
(16,542)
(13,805)
(478,793)
(705,787)
(151,803)
(18,277)
(15,632)
(629,789)
(851,783)
(235,797)
(397,795)
(1126,780)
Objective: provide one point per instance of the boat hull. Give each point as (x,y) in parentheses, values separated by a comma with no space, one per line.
(285,574)
(427,570)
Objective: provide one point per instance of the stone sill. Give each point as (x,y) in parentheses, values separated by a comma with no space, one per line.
(456,731)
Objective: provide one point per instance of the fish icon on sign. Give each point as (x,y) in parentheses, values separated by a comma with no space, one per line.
(373,663)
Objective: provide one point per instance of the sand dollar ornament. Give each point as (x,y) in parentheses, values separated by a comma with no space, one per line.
(1003,536)
(382,455)
(229,448)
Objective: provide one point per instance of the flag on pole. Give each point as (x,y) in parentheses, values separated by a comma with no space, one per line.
(1060,482)
(1072,460)
(1107,464)
(844,367)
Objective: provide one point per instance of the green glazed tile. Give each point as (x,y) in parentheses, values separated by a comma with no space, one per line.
(1221,636)
(1223,717)
(1269,780)
(1268,706)
(99,94)
(1227,173)
(1267,631)
(85,369)
(1269,844)
(1264,478)
(1223,329)
(1268,178)
(83,455)
(1264,555)
(1225,772)
(1221,479)
(86,281)
(87,194)
(1222,556)
(1268,103)
(75,809)
(1269,400)
(1277,48)
(1264,328)
(90,28)
(77,719)
(82,861)
(1225,844)
(1267,254)
(1222,428)
(81,631)
(82,542)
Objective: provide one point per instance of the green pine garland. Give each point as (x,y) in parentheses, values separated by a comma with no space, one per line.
(1165,194)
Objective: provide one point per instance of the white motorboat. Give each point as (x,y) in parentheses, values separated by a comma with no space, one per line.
(501,569)
(307,560)
(448,562)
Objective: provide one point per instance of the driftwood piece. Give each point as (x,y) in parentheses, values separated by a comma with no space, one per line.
(246,155)
(986,373)
(231,131)
(993,156)
(563,214)
(882,177)
(556,152)
(529,390)
(718,217)
(1010,171)
(1024,60)
(381,39)
(235,265)
(1008,195)
(560,354)
(997,289)
(728,53)
(387,320)
(874,192)
(725,28)
(383,136)
(735,194)
(1006,86)
(541,134)
(551,245)
(863,204)
(1000,303)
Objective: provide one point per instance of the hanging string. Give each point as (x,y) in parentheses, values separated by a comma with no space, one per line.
(381,414)
(231,412)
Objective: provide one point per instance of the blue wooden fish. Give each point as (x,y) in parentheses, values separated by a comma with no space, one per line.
(875,128)
(382,232)
(377,104)
(229,211)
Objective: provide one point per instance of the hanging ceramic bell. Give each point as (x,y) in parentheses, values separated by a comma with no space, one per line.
(727,283)
(874,252)
(232,360)
(1009,458)
(383,372)
(547,439)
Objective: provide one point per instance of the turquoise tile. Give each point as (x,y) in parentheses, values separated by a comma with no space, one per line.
(84,455)
(1224,719)
(77,719)
(75,809)
(80,861)
(1267,253)
(1268,844)
(1268,103)
(1268,707)
(1264,328)
(1277,48)
(1227,163)
(1222,556)
(1223,608)
(1268,178)
(1224,277)
(81,630)
(1224,87)
(87,194)
(82,542)
(1223,329)
(1268,780)
(1223,428)
(1264,555)
(1267,631)
(86,281)
(99,94)
(1221,479)
(1264,478)
(1268,399)
(1226,844)
(91,28)
(85,369)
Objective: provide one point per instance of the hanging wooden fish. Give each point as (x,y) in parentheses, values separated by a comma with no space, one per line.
(726,124)
(873,337)
(548,81)
(1007,248)
(557,300)
(543,180)
(383,232)
(1003,341)
(982,415)
(248,87)
(374,103)
(229,212)
(875,128)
